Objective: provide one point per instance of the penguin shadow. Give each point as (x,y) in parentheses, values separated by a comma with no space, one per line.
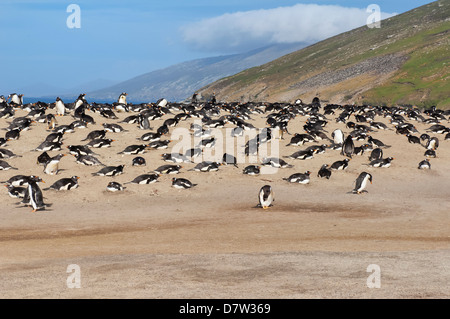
(37,210)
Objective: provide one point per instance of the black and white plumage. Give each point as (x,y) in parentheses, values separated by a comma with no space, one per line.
(300,178)
(425,164)
(33,195)
(65,184)
(206,166)
(182,183)
(114,128)
(95,135)
(266,197)
(4,166)
(324,172)
(252,170)
(138,161)
(275,162)
(145,179)
(16,191)
(340,165)
(114,187)
(168,169)
(110,171)
(52,165)
(361,182)
(88,160)
(100,142)
(383,163)
(49,146)
(134,149)
(376,154)
(348,148)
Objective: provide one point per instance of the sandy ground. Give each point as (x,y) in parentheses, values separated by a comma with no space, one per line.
(154,241)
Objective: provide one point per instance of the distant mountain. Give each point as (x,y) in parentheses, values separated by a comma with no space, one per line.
(405,61)
(180,81)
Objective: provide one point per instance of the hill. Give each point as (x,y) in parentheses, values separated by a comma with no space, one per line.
(405,61)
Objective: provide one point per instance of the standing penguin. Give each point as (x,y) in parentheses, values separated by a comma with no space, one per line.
(60,107)
(33,195)
(265,197)
(348,148)
(143,122)
(361,182)
(52,166)
(122,98)
(338,136)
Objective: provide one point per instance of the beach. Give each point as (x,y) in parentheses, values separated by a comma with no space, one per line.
(155,241)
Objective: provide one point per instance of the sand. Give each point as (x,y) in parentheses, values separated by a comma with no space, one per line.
(154,241)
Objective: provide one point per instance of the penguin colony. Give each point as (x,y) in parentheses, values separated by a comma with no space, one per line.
(356,138)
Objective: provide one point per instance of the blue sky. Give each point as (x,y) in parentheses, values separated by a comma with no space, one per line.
(118,40)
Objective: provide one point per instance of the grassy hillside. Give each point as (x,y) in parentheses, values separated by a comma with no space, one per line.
(406,61)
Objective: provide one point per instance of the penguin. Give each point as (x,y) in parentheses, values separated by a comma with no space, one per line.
(300,178)
(114,187)
(134,149)
(302,155)
(377,142)
(88,160)
(65,184)
(138,161)
(151,137)
(54,137)
(122,98)
(159,145)
(97,134)
(207,143)
(324,172)
(340,165)
(252,170)
(229,159)
(206,167)
(60,108)
(113,128)
(182,183)
(145,179)
(4,166)
(430,153)
(168,169)
(376,154)
(300,139)
(16,191)
(109,114)
(361,183)
(100,143)
(175,158)
(17,180)
(413,139)
(49,146)
(384,163)
(12,135)
(52,166)
(3,141)
(143,122)
(43,158)
(110,171)
(266,197)
(275,162)
(33,195)
(338,136)
(432,144)
(80,150)
(193,152)
(348,148)
(51,122)
(425,164)
(4,153)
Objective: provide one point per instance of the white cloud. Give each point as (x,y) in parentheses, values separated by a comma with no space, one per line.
(251,29)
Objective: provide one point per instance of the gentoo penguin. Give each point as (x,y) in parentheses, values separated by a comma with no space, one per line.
(54,137)
(348,148)
(16,98)
(134,149)
(175,158)
(95,135)
(114,187)
(43,158)
(228,159)
(168,169)
(60,108)
(302,155)
(122,98)
(338,136)
(324,172)
(163,129)
(52,166)
(143,122)
(12,135)
(340,165)
(193,152)
(430,153)
(145,179)
(377,142)
(151,137)
(113,128)
(16,191)
(4,166)
(413,139)
(206,166)
(207,143)
(425,164)
(100,143)
(109,114)
(182,183)
(361,183)
(110,171)
(275,162)
(300,139)
(301,178)
(159,145)
(384,162)
(18,180)
(49,146)
(33,195)
(432,144)
(88,160)
(265,197)
(376,154)
(4,153)
(252,170)
(138,161)
(64,184)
